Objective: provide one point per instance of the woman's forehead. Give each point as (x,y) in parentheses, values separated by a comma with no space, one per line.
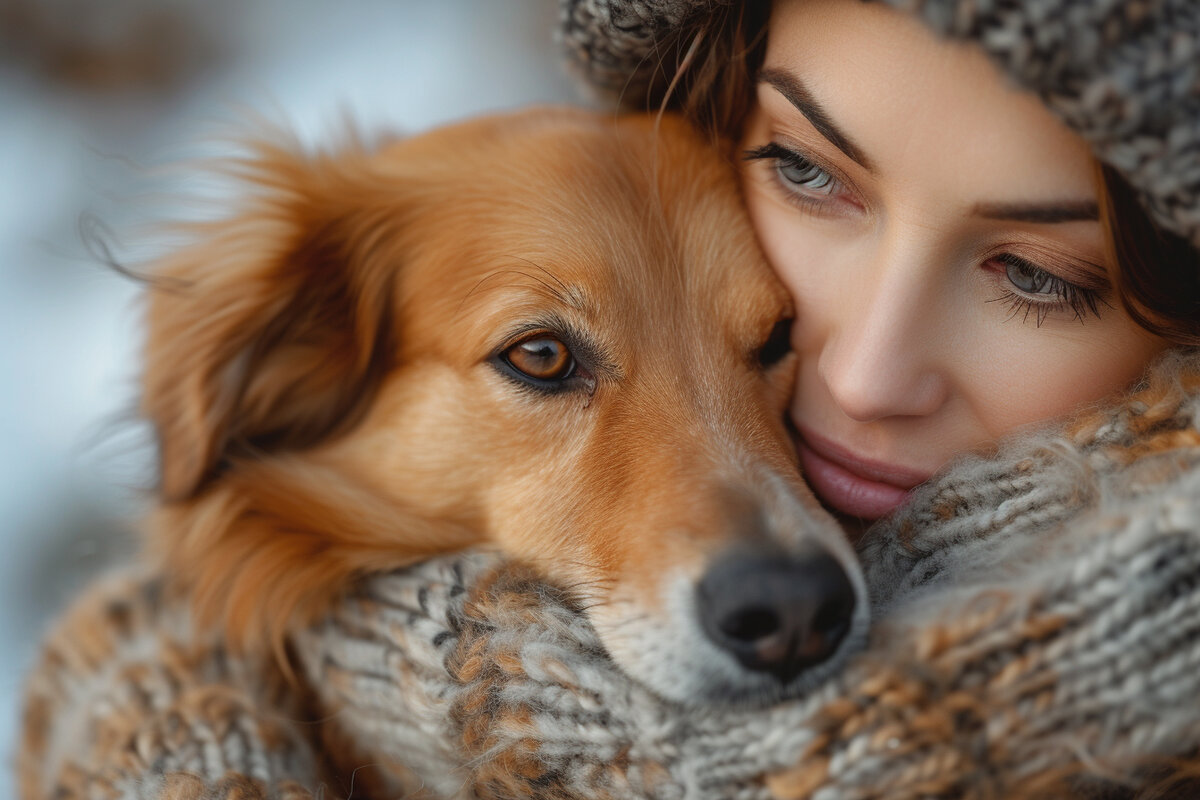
(921,110)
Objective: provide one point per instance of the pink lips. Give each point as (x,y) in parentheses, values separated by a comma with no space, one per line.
(851,484)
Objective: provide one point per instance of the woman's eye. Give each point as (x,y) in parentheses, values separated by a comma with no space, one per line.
(802,180)
(1027,277)
(1040,293)
(805,175)
(542,357)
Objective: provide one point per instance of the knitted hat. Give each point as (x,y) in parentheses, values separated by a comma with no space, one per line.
(1124,74)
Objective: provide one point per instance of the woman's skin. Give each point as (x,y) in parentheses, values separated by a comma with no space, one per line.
(938,230)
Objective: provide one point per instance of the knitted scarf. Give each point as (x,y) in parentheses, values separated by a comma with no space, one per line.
(1038,636)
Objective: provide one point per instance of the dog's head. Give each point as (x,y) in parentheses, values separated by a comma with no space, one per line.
(551,333)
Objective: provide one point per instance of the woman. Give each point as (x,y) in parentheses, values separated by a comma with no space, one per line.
(963,268)
(940,230)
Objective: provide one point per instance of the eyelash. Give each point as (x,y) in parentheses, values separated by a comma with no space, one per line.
(784,158)
(1060,297)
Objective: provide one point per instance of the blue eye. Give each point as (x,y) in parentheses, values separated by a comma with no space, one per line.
(1040,293)
(805,175)
(1029,278)
(801,179)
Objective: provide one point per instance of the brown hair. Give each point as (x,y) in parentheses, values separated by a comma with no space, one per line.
(707,67)
(1158,272)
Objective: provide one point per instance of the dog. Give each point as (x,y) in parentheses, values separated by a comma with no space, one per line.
(551,333)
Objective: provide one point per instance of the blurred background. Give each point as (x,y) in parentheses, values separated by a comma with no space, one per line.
(96,98)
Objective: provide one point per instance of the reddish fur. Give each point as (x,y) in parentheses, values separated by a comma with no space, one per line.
(319,379)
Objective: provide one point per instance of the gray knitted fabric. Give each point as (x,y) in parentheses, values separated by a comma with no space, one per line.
(1125,74)
(1040,612)
(127,701)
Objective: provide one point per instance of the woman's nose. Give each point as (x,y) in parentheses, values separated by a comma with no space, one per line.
(883,352)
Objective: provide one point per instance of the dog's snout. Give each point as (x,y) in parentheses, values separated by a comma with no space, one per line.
(779,614)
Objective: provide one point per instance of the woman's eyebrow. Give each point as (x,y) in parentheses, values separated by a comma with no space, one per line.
(796,93)
(1043,213)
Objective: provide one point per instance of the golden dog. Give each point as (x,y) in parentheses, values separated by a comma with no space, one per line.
(551,333)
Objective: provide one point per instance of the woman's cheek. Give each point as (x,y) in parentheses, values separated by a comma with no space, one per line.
(1036,374)
(803,252)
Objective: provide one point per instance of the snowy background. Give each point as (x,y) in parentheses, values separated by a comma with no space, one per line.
(96,96)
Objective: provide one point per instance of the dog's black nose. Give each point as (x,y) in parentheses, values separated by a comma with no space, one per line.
(776,613)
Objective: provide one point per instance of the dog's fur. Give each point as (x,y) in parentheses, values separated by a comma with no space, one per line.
(325,372)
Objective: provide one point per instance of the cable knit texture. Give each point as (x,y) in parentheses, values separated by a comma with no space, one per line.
(1038,636)
(1125,74)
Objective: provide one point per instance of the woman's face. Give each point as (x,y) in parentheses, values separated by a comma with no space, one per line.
(939,233)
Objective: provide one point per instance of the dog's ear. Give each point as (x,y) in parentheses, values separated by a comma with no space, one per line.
(274,328)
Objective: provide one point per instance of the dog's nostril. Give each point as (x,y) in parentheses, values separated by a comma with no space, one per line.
(833,617)
(777,614)
(751,624)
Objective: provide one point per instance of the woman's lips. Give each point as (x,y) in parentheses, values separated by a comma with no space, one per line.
(851,484)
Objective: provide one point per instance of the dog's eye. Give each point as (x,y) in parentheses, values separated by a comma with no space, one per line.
(778,344)
(542,358)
